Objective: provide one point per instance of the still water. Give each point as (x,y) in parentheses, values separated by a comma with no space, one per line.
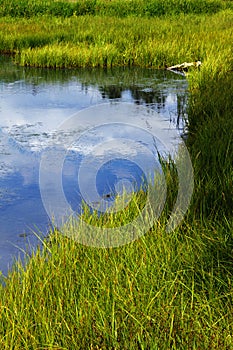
(35,103)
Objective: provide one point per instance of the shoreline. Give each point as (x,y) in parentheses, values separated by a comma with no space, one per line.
(165,290)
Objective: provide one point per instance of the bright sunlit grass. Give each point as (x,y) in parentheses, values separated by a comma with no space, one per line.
(162,291)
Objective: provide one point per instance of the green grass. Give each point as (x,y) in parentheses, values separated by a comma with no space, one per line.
(212,152)
(118,8)
(211,137)
(164,290)
(89,41)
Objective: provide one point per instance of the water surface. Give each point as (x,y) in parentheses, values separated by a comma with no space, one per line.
(33,105)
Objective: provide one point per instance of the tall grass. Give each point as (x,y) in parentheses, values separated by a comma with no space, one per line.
(97,41)
(211,137)
(164,291)
(141,8)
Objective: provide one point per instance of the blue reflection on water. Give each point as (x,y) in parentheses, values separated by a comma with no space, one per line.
(31,109)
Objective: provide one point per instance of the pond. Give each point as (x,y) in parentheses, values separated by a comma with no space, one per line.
(35,105)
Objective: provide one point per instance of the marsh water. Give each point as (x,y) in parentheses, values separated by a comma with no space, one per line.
(34,103)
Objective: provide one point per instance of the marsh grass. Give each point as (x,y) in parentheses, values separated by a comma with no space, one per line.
(118,8)
(154,197)
(90,41)
(211,137)
(164,290)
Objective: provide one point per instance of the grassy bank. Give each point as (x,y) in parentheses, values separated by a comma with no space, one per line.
(165,290)
(90,41)
(211,140)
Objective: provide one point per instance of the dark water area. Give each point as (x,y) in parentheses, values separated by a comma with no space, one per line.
(34,103)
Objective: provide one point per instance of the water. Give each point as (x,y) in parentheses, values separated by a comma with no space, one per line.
(34,103)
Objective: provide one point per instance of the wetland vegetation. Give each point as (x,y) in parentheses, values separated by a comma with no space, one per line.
(165,290)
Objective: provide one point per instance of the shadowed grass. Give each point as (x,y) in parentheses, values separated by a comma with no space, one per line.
(211,137)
